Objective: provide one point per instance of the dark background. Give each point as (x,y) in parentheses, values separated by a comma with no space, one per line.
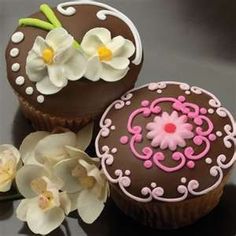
(193,41)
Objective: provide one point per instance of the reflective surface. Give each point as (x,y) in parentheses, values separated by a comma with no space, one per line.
(193,41)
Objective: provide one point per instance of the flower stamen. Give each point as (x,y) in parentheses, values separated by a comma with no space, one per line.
(87,182)
(46,200)
(104,53)
(7,170)
(48,55)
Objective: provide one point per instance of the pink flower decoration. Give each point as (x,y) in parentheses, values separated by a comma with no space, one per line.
(169,131)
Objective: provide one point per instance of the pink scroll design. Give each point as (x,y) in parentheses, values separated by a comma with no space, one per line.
(202,137)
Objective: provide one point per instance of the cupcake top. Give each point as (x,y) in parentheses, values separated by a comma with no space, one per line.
(166,141)
(60,57)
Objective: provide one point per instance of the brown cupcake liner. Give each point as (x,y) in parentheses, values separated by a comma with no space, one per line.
(47,122)
(165,215)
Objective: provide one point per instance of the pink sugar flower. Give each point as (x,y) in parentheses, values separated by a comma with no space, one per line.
(169,131)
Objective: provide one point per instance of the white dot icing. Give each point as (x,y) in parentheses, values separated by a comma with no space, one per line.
(128,103)
(29,90)
(15,67)
(211,111)
(127,172)
(159,91)
(219,133)
(152,86)
(153,185)
(113,127)
(183,180)
(187,92)
(114,150)
(14,52)
(40,99)
(17,37)
(208,160)
(20,80)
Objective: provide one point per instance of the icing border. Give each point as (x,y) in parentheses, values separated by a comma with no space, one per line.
(67,9)
(153,192)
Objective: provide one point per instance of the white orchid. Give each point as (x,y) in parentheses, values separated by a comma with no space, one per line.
(108,58)
(53,61)
(9,163)
(43,148)
(45,206)
(59,177)
(81,174)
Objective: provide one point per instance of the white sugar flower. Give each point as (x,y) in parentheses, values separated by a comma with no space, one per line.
(108,58)
(53,61)
(81,174)
(169,131)
(47,149)
(9,163)
(45,206)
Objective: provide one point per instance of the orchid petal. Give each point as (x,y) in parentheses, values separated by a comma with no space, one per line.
(22,209)
(44,222)
(81,155)
(94,69)
(26,175)
(59,39)
(57,75)
(75,67)
(65,203)
(119,63)
(52,148)
(28,145)
(84,136)
(35,67)
(46,87)
(127,50)
(64,171)
(89,206)
(110,74)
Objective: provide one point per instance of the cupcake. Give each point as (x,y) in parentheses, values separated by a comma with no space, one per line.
(167,150)
(67,64)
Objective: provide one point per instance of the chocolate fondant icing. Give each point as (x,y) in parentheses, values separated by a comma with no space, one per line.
(78,98)
(166,141)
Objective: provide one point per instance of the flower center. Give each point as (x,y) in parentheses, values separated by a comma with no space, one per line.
(48,55)
(105,54)
(7,171)
(87,182)
(45,200)
(78,172)
(170,128)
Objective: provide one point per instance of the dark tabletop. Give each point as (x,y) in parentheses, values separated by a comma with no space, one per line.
(193,41)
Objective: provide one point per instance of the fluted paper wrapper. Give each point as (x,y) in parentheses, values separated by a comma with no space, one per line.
(165,215)
(43,121)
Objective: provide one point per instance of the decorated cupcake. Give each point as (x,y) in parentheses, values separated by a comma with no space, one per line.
(67,64)
(167,150)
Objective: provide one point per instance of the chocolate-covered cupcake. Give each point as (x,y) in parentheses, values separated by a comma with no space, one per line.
(67,64)
(167,150)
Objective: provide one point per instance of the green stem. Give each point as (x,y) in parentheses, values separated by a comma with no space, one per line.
(36,23)
(48,12)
